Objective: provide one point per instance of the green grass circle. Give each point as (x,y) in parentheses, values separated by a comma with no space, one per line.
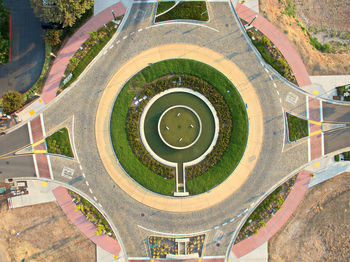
(229,160)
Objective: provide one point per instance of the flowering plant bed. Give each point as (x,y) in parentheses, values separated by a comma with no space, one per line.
(161,246)
(266,209)
(271,54)
(92,214)
(88,51)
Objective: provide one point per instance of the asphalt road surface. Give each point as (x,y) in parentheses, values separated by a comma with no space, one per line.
(27,49)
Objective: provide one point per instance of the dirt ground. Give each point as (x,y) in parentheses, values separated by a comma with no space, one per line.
(45,234)
(319,228)
(330,15)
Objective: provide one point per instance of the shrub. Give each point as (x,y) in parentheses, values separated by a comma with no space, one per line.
(12,101)
(53,37)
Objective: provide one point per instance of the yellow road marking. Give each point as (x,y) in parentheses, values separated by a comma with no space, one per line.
(315,122)
(38,143)
(315,92)
(39,151)
(44,184)
(32,112)
(315,133)
(317,164)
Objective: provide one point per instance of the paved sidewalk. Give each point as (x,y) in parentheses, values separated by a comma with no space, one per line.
(278,220)
(325,85)
(85,226)
(73,44)
(281,42)
(39,192)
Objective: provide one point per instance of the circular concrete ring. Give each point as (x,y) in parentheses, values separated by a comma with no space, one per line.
(255,123)
(194,140)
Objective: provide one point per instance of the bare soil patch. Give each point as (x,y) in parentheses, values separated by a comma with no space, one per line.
(45,234)
(331,17)
(319,228)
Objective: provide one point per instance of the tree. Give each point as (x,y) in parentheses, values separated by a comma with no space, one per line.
(12,101)
(53,37)
(64,12)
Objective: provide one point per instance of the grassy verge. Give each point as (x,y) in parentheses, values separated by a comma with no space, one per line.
(266,209)
(92,214)
(4,33)
(297,127)
(228,161)
(163,6)
(196,10)
(58,143)
(92,46)
(271,54)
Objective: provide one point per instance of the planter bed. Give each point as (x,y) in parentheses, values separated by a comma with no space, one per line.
(266,209)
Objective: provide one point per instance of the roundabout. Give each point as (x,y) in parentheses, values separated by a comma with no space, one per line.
(191,203)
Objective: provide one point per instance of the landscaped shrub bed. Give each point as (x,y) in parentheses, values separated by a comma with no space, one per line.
(266,209)
(91,47)
(297,127)
(194,10)
(163,6)
(58,143)
(161,246)
(196,84)
(341,90)
(271,54)
(92,214)
(346,156)
(229,160)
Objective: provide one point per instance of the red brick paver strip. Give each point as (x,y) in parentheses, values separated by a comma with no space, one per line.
(278,220)
(315,130)
(73,44)
(85,226)
(279,40)
(42,160)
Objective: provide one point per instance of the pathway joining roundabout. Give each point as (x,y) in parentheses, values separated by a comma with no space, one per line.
(255,135)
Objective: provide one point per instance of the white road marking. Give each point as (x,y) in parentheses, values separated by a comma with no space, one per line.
(139,30)
(278,93)
(84,175)
(90,190)
(274,84)
(132,33)
(266,70)
(36,166)
(87,183)
(118,41)
(280,100)
(100,204)
(111,47)
(42,124)
(95,198)
(125,37)
(81,168)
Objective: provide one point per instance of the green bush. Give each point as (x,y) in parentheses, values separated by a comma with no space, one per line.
(336,158)
(297,127)
(58,143)
(53,37)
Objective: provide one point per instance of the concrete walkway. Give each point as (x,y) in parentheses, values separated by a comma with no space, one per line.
(326,85)
(85,226)
(73,44)
(278,220)
(280,41)
(39,192)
